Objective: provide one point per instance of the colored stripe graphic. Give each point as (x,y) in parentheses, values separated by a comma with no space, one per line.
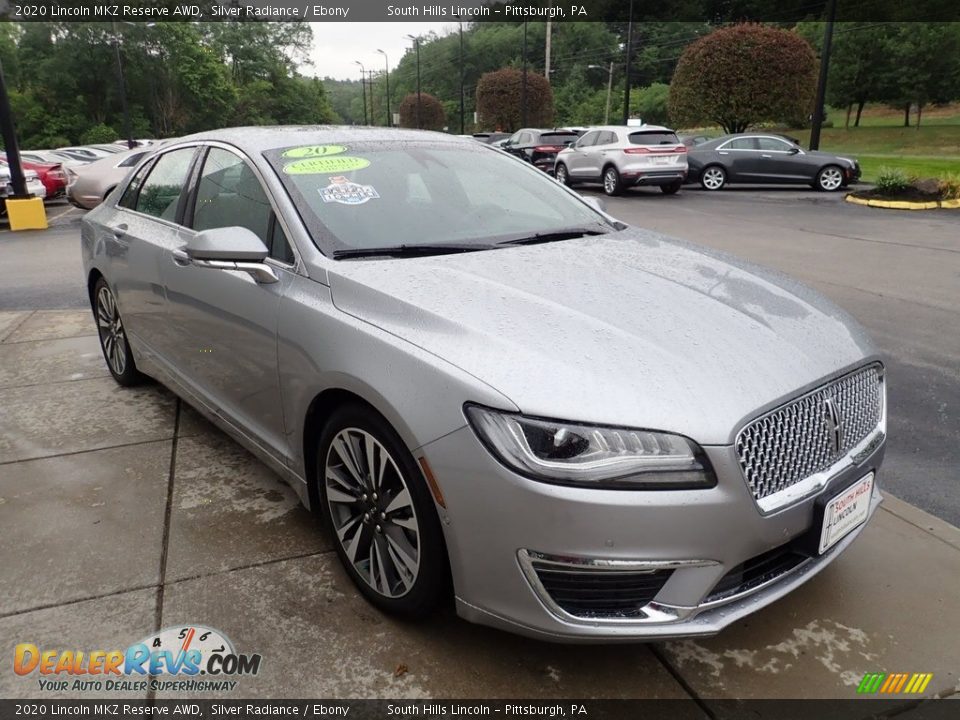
(894,683)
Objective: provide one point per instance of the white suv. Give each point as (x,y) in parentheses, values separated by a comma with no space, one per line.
(618,157)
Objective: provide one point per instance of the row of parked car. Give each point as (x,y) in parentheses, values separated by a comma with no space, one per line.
(621,156)
(53,174)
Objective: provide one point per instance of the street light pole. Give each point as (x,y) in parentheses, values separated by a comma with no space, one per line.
(363,89)
(461,80)
(606,113)
(386,64)
(416,44)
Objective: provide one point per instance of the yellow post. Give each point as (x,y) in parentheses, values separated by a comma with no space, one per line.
(27,214)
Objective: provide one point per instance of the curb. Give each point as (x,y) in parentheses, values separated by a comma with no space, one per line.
(922,520)
(905,204)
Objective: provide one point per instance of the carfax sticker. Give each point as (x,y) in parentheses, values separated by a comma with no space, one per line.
(343,191)
(325,165)
(311,151)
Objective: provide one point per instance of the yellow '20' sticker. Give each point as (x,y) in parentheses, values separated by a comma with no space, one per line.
(311,151)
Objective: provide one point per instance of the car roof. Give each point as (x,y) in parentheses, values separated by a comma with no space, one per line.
(630,128)
(262,138)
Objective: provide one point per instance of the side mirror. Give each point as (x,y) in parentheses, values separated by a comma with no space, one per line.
(595,202)
(794,151)
(227,243)
(228,248)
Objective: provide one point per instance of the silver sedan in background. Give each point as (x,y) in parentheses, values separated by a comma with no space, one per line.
(489,388)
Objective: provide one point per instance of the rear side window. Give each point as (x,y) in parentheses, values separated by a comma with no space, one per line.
(654,137)
(557,138)
(132,160)
(160,193)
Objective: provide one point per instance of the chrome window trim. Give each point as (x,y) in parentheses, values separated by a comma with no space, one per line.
(653,611)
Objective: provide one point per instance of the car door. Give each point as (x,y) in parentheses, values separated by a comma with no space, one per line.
(142,228)
(578,162)
(600,153)
(780,161)
(740,156)
(513,144)
(227,320)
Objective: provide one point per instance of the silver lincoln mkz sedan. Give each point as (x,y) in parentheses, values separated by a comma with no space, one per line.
(486,385)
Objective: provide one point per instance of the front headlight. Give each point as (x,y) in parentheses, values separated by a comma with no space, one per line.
(596,456)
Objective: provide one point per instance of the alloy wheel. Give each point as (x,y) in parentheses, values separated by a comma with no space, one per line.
(372,512)
(562,174)
(713,178)
(831,178)
(610,181)
(110,327)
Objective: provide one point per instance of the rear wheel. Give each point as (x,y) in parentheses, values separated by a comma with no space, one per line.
(670,189)
(561,174)
(830,178)
(380,513)
(713,177)
(113,336)
(612,185)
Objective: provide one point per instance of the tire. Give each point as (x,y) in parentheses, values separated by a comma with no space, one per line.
(356,507)
(671,189)
(113,337)
(830,178)
(713,177)
(612,185)
(563,177)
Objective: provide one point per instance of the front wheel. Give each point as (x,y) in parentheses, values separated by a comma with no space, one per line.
(830,178)
(561,174)
(713,178)
(380,513)
(671,189)
(113,336)
(612,185)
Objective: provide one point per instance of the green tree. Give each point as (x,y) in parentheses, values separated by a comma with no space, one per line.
(499,96)
(928,55)
(741,75)
(99,133)
(651,103)
(432,114)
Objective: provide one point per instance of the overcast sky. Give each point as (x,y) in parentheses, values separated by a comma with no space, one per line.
(337,44)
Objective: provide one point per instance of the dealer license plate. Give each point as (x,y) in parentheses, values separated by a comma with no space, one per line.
(846,512)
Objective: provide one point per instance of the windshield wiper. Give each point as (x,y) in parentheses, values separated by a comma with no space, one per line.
(408,250)
(568,234)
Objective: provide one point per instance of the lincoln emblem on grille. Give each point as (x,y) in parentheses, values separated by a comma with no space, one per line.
(834,423)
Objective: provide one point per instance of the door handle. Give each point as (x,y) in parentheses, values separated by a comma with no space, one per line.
(723,152)
(766,156)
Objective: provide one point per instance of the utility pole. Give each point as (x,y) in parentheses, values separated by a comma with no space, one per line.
(386,64)
(363,89)
(822,81)
(606,114)
(629,62)
(546,63)
(523,87)
(127,129)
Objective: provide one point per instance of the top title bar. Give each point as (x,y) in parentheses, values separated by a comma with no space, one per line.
(476,11)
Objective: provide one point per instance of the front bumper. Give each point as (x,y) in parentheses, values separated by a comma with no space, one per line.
(495,518)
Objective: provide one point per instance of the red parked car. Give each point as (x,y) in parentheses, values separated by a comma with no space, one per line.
(52,176)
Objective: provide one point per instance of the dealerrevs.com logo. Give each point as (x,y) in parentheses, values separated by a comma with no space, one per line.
(184,658)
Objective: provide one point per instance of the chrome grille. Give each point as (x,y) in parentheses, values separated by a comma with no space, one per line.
(800,439)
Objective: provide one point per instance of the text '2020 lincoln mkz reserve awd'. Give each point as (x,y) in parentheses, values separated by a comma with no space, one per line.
(488,387)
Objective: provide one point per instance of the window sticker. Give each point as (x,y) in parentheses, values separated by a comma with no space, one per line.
(311,151)
(325,165)
(343,191)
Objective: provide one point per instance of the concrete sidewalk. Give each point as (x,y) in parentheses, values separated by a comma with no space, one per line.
(123,512)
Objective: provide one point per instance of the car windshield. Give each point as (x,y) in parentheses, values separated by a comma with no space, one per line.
(371,195)
(656,137)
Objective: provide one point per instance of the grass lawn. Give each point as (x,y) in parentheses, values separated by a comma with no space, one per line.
(922,167)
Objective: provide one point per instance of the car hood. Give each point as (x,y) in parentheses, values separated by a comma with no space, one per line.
(627,329)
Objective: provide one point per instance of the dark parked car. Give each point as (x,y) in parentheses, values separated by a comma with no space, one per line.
(539,147)
(749,158)
(691,140)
